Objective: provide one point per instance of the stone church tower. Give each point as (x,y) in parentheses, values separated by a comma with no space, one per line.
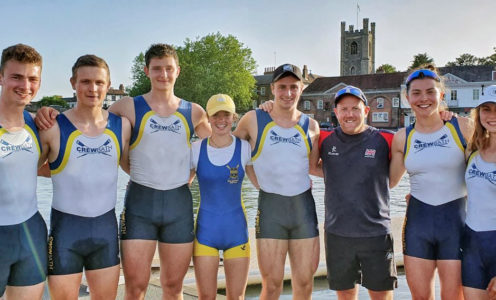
(358,49)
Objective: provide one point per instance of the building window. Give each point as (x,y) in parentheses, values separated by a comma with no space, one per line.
(306,105)
(380,117)
(354,48)
(352,71)
(320,104)
(113,97)
(262,91)
(380,102)
(453,95)
(475,94)
(396,102)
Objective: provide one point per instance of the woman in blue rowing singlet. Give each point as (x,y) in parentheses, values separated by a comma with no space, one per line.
(221,162)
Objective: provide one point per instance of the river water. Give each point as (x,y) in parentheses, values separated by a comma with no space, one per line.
(250,195)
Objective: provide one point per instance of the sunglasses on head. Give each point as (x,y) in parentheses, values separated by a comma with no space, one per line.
(350,90)
(419,74)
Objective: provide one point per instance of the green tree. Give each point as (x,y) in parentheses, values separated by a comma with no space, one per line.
(141,83)
(465,59)
(216,64)
(386,68)
(489,60)
(420,59)
(52,100)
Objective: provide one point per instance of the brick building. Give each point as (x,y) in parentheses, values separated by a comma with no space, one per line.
(382,91)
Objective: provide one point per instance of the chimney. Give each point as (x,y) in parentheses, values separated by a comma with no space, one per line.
(269,70)
(305,72)
(121,87)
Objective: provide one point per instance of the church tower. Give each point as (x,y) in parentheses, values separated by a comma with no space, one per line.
(358,49)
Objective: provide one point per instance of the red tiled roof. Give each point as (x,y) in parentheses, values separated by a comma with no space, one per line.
(113,91)
(364,82)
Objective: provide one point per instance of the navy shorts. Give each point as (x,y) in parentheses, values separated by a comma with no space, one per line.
(150,214)
(434,232)
(286,217)
(366,260)
(77,242)
(23,253)
(478,258)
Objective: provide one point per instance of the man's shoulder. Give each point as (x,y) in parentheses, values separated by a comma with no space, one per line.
(250,115)
(123,106)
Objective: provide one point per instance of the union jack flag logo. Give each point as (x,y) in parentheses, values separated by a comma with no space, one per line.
(370,153)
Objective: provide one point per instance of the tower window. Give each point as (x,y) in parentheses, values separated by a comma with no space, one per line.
(352,71)
(354,48)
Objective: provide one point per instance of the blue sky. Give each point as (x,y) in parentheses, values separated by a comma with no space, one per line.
(300,32)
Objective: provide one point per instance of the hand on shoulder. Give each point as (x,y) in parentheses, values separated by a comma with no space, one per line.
(466,126)
(45,117)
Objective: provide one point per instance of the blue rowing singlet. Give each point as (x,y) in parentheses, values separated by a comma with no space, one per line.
(221,221)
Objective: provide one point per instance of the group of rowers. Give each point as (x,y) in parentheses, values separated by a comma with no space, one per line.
(451,162)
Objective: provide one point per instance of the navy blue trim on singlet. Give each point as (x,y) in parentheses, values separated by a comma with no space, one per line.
(141,107)
(114,123)
(65,128)
(28,119)
(263,118)
(304,123)
(455,123)
(408,129)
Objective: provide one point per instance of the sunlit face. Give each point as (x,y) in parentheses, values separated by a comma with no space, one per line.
(20,82)
(162,72)
(287,92)
(91,85)
(351,113)
(221,122)
(424,97)
(487,115)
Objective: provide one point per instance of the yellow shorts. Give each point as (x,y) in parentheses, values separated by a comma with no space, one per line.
(242,250)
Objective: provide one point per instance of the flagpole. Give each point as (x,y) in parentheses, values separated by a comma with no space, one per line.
(358,9)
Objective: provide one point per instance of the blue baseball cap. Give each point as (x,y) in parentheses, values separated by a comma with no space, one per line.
(350,90)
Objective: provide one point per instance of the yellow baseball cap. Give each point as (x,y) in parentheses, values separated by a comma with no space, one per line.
(220,102)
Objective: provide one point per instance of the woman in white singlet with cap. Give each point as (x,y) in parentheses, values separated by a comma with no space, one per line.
(479,237)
